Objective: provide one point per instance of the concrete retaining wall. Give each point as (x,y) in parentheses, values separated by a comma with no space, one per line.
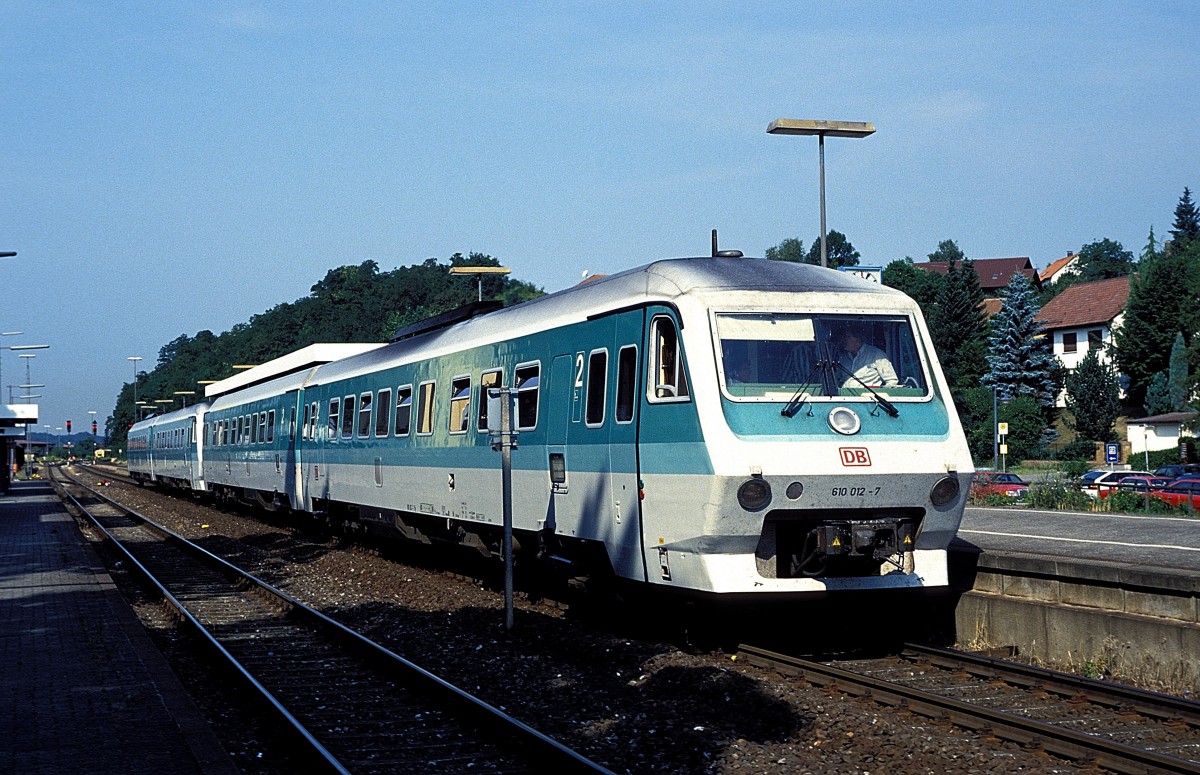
(1093,619)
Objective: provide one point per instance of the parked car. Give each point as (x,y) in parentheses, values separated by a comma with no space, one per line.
(1176,470)
(1181,492)
(1143,483)
(1099,483)
(998,483)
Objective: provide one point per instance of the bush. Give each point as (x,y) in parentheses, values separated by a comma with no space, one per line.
(1079,449)
(1139,503)
(1057,495)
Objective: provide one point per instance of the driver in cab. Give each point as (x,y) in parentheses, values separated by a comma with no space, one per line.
(865,361)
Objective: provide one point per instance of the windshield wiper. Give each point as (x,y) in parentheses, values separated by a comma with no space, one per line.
(884,404)
(823,369)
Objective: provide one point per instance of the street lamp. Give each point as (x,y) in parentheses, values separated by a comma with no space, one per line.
(135,359)
(795,126)
(18,347)
(184,394)
(479,272)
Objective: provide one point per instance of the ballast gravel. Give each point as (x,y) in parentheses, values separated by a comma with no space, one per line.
(594,680)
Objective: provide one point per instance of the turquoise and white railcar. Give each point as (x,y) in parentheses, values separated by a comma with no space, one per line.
(164,449)
(250,431)
(688,423)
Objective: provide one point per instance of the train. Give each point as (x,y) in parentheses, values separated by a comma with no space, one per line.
(689,425)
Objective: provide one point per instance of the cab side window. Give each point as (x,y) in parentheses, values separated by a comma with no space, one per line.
(668,381)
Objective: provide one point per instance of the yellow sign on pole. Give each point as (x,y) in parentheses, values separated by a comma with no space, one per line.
(1002,428)
(1003,449)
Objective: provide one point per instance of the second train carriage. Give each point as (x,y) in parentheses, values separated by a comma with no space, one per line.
(164,449)
(688,423)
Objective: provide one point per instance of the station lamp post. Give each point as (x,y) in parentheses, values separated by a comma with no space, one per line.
(184,394)
(135,359)
(18,347)
(479,272)
(795,126)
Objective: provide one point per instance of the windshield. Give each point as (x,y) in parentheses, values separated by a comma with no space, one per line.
(769,356)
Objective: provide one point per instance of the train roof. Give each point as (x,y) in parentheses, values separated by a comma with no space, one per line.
(166,418)
(663,281)
(304,358)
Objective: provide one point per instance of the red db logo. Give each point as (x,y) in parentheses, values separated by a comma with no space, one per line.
(855,456)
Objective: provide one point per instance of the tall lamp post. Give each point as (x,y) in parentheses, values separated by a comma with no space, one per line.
(797,126)
(479,272)
(19,347)
(135,359)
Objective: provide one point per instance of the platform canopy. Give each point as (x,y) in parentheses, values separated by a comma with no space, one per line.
(14,418)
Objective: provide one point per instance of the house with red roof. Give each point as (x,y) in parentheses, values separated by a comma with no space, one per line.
(994,273)
(1067,265)
(1083,318)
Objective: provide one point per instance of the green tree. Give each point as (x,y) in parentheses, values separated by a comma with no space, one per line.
(1162,301)
(958,326)
(921,285)
(790,250)
(1150,252)
(1158,395)
(1026,427)
(948,250)
(838,250)
(1102,260)
(1178,385)
(1020,361)
(1094,397)
(1187,221)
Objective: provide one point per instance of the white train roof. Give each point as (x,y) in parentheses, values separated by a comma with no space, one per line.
(663,281)
(304,358)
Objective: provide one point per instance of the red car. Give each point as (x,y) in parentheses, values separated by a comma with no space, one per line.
(1182,491)
(998,483)
(1143,483)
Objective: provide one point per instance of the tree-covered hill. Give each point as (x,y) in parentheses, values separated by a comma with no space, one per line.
(351,304)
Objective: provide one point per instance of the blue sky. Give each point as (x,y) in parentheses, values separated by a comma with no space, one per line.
(171,167)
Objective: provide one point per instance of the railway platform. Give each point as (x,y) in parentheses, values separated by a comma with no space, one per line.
(85,690)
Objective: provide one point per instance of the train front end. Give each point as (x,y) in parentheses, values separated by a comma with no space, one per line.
(835,458)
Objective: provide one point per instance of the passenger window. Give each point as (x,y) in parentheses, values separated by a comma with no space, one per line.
(460,404)
(668,382)
(527,381)
(597,388)
(403,409)
(312,421)
(364,415)
(382,415)
(425,408)
(347,416)
(304,424)
(335,405)
(270,426)
(626,383)
(489,379)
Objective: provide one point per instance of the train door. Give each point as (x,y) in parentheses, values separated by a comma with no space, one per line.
(671,453)
(621,418)
(561,396)
(293,477)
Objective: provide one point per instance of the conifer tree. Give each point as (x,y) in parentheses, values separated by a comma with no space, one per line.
(1094,398)
(1177,375)
(1187,220)
(1158,395)
(958,326)
(1020,362)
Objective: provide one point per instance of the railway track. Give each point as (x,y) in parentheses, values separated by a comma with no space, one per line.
(354,706)
(1116,728)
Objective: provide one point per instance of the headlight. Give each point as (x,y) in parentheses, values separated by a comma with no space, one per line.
(754,494)
(944,491)
(845,421)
